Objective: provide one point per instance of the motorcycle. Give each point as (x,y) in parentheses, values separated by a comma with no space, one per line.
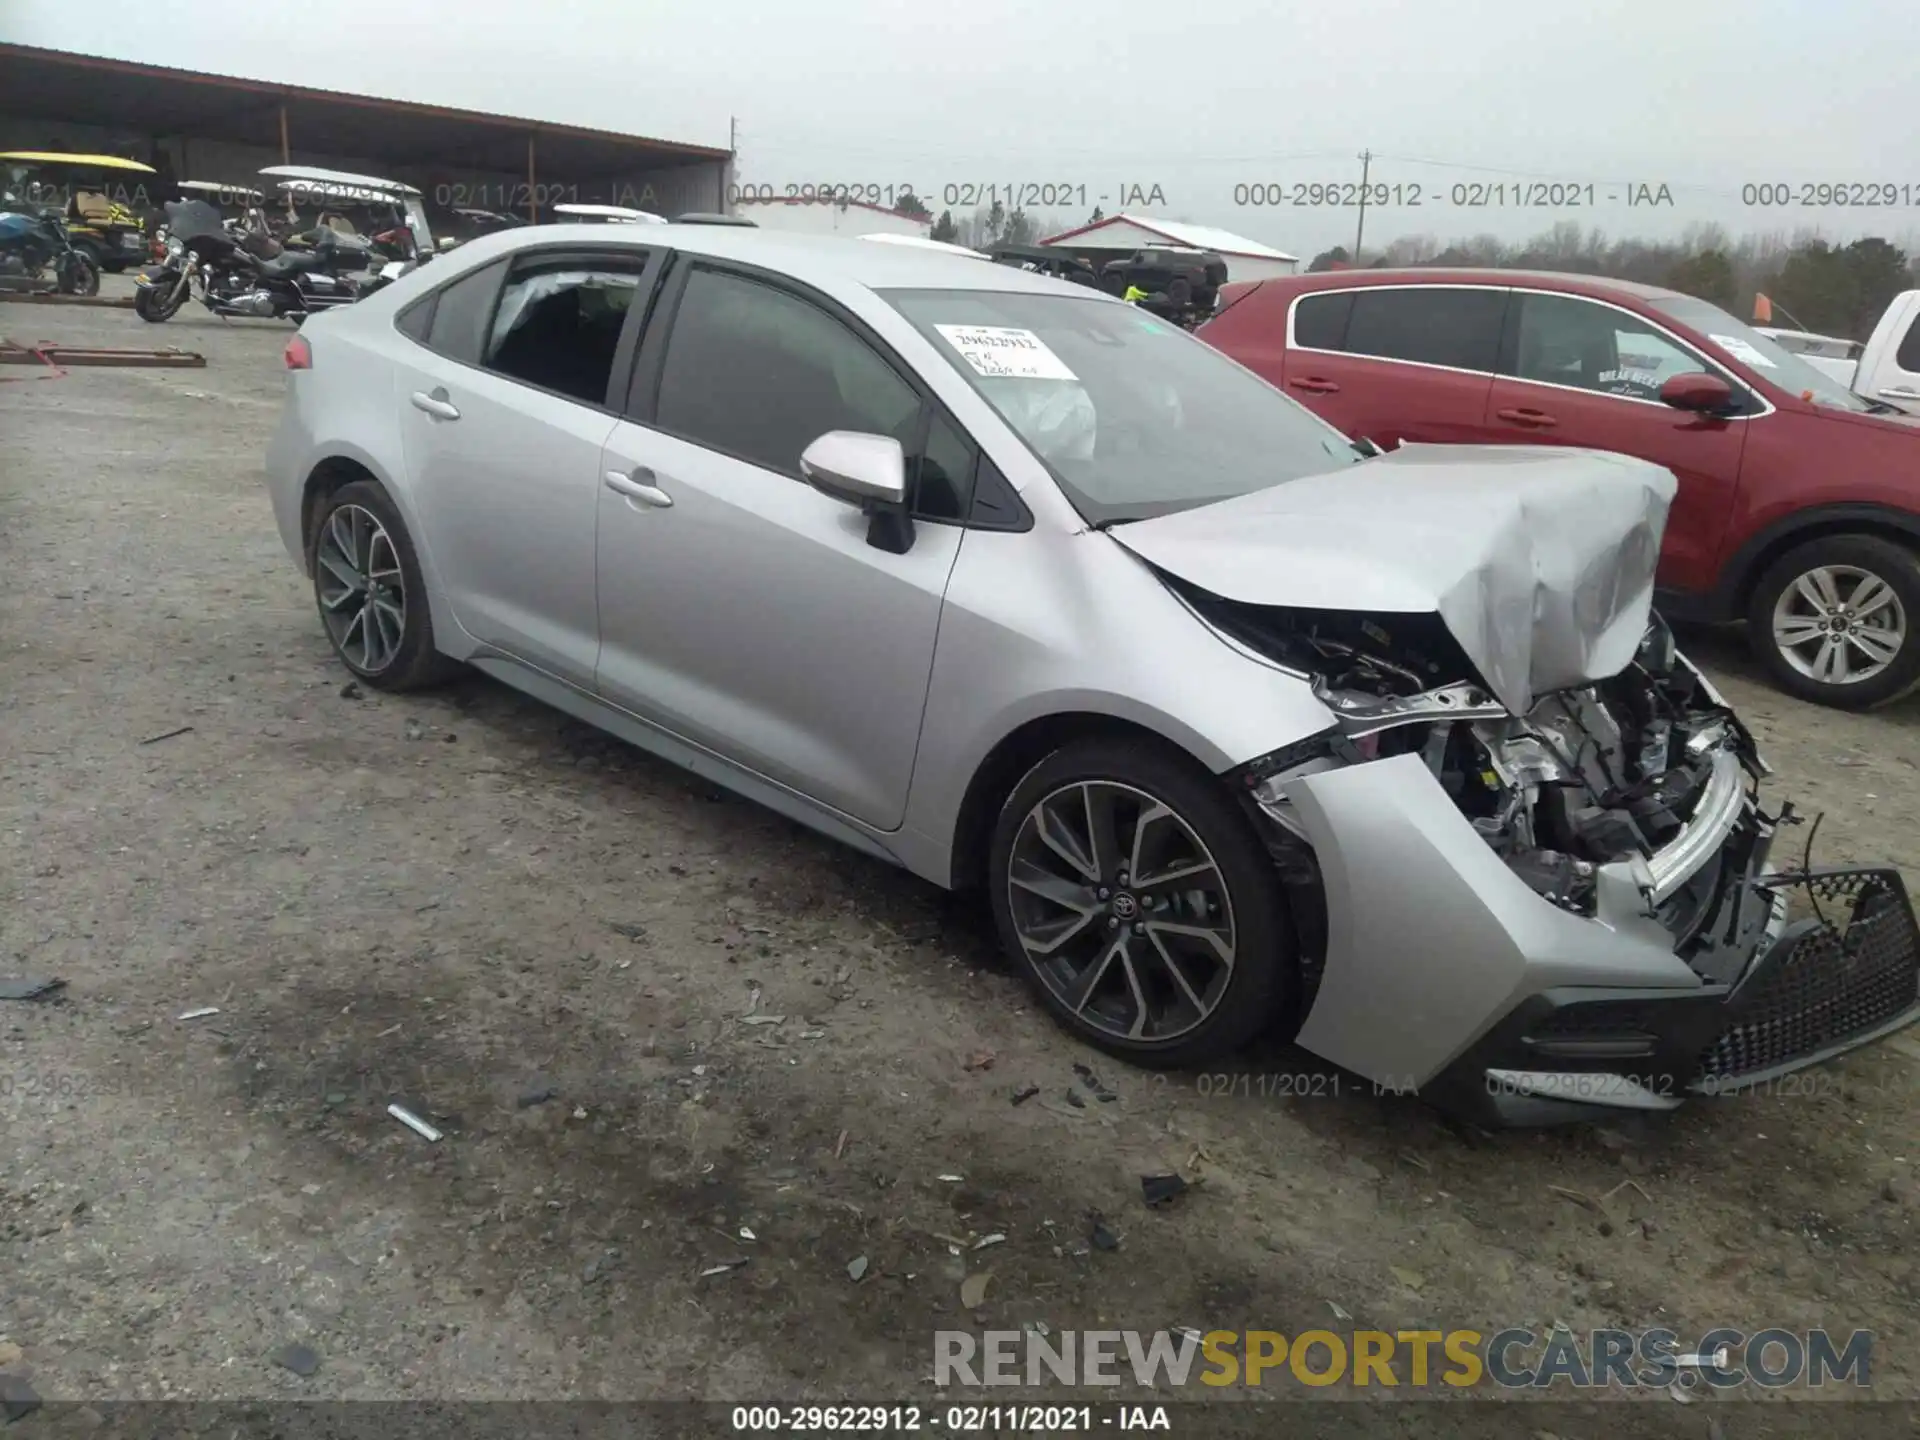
(238,271)
(33,244)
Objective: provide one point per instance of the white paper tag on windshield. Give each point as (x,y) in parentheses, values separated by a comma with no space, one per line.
(1742,351)
(1002,351)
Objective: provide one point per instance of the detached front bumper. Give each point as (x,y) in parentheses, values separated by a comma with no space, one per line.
(1447,976)
(1843,974)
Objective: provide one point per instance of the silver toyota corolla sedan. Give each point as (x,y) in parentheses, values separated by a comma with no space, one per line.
(1019,587)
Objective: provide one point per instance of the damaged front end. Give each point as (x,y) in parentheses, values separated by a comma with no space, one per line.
(1526,915)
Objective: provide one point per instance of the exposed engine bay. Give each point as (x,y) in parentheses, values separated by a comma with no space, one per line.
(1606,773)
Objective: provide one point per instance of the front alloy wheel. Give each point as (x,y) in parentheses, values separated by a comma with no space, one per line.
(1122,910)
(1140,903)
(1834,621)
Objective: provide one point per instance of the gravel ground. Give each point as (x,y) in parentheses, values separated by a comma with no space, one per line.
(464,901)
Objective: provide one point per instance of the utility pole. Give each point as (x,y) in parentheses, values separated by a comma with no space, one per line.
(1360,230)
(729,184)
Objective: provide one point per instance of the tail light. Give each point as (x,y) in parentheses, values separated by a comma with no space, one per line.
(298,354)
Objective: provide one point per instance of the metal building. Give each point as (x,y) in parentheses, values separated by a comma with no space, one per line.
(1123,234)
(221,128)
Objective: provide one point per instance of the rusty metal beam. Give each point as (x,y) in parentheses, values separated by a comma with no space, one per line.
(48,297)
(64,355)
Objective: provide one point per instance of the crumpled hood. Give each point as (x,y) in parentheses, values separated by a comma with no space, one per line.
(1539,560)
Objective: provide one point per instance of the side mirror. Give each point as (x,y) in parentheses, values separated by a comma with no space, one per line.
(1702,393)
(868,472)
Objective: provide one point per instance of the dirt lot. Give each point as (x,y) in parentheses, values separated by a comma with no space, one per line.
(452,900)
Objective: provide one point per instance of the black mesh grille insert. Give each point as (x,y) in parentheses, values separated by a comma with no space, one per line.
(1852,969)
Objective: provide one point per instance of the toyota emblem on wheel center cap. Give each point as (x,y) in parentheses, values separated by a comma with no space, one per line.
(1124,906)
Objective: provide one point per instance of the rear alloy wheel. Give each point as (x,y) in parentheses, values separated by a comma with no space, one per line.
(1834,621)
(79,275)
(373,602)
(1141,904)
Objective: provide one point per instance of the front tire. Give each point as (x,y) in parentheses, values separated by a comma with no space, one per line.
(368,585)
(156,305)
(1141,905)
(1834,621)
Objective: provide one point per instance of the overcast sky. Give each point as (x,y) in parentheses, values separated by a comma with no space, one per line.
(1196,98)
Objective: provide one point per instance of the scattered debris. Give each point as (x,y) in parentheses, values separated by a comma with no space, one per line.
(840,1145)
(763,1019)
(414,1123)
(857,1269)
(156,739)
(202,1013)
(628,930)
(415,730)
(537,1093)
(1025,1093)
(746,1234)
(1158,1190)
(973,1290)
(980,1060)
(29,989)
(1339,1314)
(300,1359)
(1094,1087)
(951,1179)
(1099,1235)
(985,1240)
(1578,1197)
(1412,1279)
(713,1270)
(580,1111)
(1073,1099)
(352,691)
(1679,1392)
(1890,1190)
(17,1399)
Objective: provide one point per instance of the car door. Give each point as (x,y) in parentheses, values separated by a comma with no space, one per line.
(1397,363)
(1578,371)
(740,608)
(503,411)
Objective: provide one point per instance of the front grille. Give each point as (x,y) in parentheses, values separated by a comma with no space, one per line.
(1846,969)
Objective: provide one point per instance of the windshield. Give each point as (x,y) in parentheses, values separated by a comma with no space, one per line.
(1761,354)
(1132,415)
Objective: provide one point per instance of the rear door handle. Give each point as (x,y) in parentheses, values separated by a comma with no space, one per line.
(1314,385)
(639,486)
(1537,419)
(436,404)
(1900,392)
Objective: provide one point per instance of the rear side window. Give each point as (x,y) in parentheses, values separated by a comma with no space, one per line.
(559,320)
(460,313)
(1430,324)
(1908,355)
(1320,321)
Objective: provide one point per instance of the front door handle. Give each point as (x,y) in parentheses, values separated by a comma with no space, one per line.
(1314,385)
(437,404)
(1536,419)
(1900,392)
(639,486)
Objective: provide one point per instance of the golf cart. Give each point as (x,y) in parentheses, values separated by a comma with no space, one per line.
(606,215)
(470,224)
(395,220)
(101,197)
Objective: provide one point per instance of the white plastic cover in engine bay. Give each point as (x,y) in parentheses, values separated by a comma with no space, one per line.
(1539,560)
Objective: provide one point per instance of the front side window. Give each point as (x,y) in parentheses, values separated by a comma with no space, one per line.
(1131,415)
(1761,354)
(1429,324)
(756,371)
(1907,357)
(1565,340)
(558,322)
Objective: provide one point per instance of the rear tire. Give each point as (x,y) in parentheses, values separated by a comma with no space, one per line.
(1200,945)
(79,275)
(1868,586)
(372,598)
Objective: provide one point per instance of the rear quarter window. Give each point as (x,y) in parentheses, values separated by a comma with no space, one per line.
(1429,324)
(1320,321)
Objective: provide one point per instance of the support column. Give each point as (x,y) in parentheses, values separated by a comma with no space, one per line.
(286,152)
(533,205)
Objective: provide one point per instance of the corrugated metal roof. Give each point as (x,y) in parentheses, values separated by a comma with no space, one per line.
(1180,232)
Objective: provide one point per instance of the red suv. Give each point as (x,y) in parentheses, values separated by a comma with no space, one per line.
(1798,507)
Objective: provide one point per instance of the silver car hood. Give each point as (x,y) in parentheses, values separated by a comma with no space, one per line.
(1539,560)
